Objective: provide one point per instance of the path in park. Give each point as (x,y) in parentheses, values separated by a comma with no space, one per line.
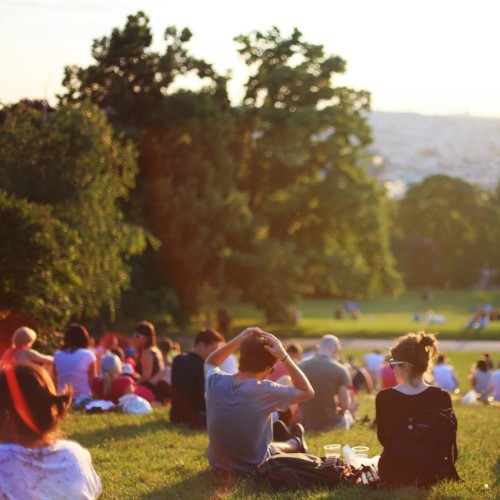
(445,345)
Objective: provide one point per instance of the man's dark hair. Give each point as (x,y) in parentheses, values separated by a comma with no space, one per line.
(254,357)
(208,336)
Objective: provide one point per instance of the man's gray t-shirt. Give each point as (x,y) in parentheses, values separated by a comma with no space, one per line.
(239,420)
(326,376)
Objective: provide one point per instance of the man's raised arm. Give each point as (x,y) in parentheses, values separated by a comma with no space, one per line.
(216,358)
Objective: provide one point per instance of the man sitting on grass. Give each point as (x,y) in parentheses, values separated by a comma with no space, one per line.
(240,406)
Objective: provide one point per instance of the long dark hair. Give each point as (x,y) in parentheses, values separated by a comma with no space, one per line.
(76,337)
(148,330)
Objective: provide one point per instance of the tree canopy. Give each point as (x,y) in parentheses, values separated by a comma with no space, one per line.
(445,232)
(72,173)
(270,197)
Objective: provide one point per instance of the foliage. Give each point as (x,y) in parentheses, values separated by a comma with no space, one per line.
(445,230)
(129,80)
(71,162)
(185,176)
(271,198)
(38,265)
(323,219)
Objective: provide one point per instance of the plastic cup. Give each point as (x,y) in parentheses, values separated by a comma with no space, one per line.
(332,451)
(361,451)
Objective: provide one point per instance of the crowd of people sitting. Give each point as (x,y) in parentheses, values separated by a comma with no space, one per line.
(252,408)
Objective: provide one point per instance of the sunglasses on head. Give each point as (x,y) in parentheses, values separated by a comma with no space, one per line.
(393,363)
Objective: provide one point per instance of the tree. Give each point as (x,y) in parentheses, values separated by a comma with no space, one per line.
(37,261)
(71,162)
(303,166)
(451,217)
(185,167)
(129,80)
(269,198)
(191,198)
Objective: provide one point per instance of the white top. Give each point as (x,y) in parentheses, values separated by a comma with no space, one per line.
(61,470)
(373,361)
(445,377)
(73,369)
(230,365)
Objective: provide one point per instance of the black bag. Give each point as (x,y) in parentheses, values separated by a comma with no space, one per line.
(423,449)
(301,470)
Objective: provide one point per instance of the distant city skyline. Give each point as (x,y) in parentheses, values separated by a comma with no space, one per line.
(427,57)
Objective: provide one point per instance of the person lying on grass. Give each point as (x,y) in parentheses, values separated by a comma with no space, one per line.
(33,463)
(240,406)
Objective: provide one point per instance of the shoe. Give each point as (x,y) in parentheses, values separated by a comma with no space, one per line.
(298,432)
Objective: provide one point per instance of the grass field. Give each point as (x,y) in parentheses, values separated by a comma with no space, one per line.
(147,457)
(380,318)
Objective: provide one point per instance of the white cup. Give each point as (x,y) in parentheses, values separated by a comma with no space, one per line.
(361,451)
(332,451)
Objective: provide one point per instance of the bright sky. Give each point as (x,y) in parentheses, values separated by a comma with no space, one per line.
(424,56)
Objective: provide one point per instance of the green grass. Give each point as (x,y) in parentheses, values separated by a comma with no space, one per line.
(380,318)
(147,457)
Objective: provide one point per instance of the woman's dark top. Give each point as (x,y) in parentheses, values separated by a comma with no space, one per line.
(391,405)
(156,363)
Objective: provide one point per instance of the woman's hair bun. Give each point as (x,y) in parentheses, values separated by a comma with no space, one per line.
(428,342)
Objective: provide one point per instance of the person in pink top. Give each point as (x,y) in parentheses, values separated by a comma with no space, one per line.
(295,352)
(387,375)
(113,384)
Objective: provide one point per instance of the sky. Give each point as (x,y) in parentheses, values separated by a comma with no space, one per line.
(434,57)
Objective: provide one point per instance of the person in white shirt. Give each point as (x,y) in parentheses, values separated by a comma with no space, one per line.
(33,464)
(373,362)
(445,375)
(75,364)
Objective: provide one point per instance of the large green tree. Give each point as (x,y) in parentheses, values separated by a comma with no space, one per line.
(270,197)
(71,162)
(37,261)
(186,194)
(320,221)
(442,235)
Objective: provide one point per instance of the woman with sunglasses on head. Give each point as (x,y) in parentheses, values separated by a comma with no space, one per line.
(410,359)
(34,463)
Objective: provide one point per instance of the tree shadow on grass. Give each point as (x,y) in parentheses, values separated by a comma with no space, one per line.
(124,431)
(200,485)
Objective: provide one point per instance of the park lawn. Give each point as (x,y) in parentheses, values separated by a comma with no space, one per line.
(147,457)
(380,318)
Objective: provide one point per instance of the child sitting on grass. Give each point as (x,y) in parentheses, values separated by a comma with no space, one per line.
(34,463)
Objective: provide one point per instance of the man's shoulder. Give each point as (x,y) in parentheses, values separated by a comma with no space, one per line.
(187,358)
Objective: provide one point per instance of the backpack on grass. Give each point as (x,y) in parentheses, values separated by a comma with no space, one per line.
(301,470)
(423,449)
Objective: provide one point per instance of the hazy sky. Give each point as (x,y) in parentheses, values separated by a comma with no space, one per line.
(425,56)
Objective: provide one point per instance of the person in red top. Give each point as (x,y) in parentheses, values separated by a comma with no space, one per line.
(112,385)
(387,375)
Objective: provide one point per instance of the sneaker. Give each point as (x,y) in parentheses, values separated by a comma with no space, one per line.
(298,432)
